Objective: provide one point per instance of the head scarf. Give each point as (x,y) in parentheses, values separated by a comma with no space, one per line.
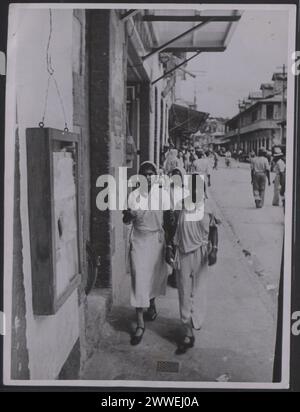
(147,165)
(180,169)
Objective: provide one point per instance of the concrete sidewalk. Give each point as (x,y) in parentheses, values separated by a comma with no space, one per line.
(236,342)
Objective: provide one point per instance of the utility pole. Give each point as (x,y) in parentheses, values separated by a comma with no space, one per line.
(283,68)
(239,126)
(197,74)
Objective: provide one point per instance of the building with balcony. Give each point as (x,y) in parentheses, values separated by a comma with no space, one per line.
(261,120)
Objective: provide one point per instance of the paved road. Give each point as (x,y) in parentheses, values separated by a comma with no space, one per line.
(237,340)
(259,232)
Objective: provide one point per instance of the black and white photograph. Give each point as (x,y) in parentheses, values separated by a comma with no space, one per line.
(149,177)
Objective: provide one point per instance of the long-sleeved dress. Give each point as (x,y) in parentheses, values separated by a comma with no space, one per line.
(147,257)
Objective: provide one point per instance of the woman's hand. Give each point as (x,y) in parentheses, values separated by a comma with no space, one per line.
(170,255)
(128,216)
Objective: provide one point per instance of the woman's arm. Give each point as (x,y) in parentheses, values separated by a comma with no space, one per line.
(170,218)
(213,238)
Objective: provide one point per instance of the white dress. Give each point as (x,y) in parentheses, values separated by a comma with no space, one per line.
(147,257)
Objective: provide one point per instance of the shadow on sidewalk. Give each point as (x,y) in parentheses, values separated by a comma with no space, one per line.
(122,319)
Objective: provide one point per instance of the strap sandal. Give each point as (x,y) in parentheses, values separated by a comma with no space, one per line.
(150,314)
(136,339)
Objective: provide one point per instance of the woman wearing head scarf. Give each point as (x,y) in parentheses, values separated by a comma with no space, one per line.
(147,251)
(171,161)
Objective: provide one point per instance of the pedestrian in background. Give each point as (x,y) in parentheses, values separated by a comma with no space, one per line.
(193,158)
(202,166)
(216,160)
(180,158)
(186,160)
(279,169)
(260,172)
(171,161)
(228,158)
(211,156)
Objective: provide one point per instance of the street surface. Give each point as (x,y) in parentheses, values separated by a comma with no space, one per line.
(236,343)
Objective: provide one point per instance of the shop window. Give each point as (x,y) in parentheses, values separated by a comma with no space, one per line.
(254,116)
(270,111)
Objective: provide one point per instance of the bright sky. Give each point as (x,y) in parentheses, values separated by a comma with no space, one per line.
(258,47)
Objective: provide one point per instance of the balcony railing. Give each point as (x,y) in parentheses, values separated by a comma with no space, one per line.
(258,125)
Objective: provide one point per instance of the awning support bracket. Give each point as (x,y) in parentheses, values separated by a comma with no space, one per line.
(128,14)
(176,67)
(194,18)
(165,45)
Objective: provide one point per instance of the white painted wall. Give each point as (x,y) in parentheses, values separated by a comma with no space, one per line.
(49,338)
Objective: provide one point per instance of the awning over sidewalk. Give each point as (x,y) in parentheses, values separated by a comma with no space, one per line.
(192,30)
(184,120)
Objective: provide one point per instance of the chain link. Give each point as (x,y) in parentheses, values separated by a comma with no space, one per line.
(51,71)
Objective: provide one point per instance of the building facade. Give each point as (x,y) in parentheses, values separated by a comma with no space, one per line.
(261,120)
(92,82)
(212,132)
(120,120)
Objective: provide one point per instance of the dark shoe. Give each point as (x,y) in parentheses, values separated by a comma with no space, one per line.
(172,280)
(188,342)
(150,314)
(136,339)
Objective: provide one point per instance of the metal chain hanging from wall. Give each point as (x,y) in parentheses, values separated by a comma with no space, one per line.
(51,76)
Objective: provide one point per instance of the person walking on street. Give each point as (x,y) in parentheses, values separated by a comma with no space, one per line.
(193,159)
(171,162)
(146,252)
(228,158)
(279,169)
(260,171)
(191,250)
(211,156)
(216,159)
(202,166)
(180,158)
(187,160)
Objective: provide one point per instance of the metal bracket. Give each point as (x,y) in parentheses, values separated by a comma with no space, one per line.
(194,18)
(165,45)
(130,13)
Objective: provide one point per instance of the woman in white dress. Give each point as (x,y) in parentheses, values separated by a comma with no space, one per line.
(147,253)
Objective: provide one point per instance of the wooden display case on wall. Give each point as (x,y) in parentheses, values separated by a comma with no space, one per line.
(53,192)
